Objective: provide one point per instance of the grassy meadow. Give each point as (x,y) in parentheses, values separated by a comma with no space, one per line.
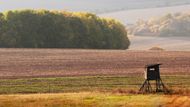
(91,91)
(120,84)
(93,99)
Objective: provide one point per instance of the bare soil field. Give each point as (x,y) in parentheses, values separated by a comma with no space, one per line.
(70,62)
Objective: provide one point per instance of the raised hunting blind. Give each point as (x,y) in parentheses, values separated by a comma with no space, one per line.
(152,73)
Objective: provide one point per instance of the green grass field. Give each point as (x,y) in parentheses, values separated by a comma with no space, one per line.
(85,84)
(91,91)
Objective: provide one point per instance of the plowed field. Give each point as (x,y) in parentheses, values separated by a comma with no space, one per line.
(68,62)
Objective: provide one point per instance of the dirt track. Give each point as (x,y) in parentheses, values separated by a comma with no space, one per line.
(59,62)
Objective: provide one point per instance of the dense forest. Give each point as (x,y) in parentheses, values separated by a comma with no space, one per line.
(177,25)
(60,29)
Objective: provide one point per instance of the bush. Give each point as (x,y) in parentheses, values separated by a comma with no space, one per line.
(156,49)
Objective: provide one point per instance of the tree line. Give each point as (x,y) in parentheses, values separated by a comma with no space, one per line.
(169,25)
(60,29)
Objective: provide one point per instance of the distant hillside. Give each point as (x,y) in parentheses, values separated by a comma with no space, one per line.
(120,5)
(169,25)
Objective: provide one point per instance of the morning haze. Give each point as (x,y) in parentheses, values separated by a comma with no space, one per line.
(94,53)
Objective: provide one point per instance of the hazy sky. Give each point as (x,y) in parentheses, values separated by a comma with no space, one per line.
(73,5)
(87,5)
(32,4)
(122,10)
(128,17)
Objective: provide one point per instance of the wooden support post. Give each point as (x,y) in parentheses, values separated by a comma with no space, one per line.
(147,88)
